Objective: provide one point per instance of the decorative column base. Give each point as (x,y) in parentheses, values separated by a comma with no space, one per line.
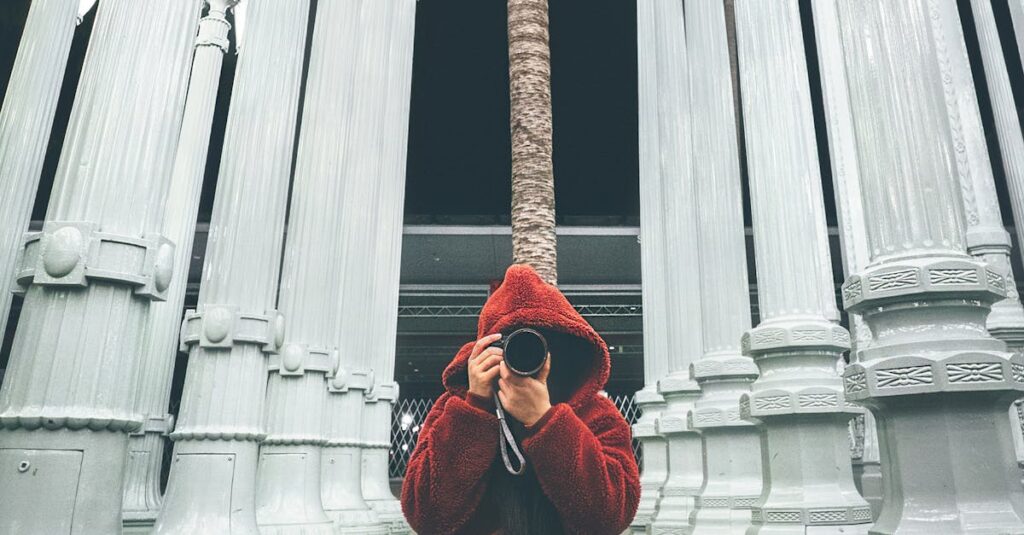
(923,449)
(732,446)
(809,491)
(37,472)
(1017,427)
(808,475)
(867,470)
(939,387)
(342,466)
(389,510)
(141,503)
(288,497)
(685,456)
(655,457)
(867,476)
(212,486)
(376,483)
(295,466)
(357,521)
(212,489)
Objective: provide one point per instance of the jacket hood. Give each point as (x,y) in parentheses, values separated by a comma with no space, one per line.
(524,300)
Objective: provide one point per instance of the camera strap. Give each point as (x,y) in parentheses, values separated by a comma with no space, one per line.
(507,441)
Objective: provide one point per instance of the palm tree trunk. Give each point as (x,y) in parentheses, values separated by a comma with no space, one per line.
(533,182)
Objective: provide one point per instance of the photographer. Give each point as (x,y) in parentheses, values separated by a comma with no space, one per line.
(580,475)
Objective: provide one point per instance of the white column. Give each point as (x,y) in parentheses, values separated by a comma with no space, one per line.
(142,495)
(384,266)
(652,263)
(732,445)
(685,455)
(852,231)
(937,382)
(987,240)
(798,397)
(297,398)
(25,121)
(68,398)
(1011,145)
(235,327)
(1017,15)
(349,41)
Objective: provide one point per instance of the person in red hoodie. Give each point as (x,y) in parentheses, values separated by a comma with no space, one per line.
(581,476)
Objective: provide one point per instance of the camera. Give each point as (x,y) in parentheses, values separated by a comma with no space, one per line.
(525,351)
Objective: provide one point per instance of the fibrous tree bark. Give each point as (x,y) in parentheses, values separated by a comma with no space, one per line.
(533,182)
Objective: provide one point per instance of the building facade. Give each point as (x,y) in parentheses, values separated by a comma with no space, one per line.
(234,289)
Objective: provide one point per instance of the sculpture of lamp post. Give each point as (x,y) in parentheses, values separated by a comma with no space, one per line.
(235,328)
(852,231)
(68,398)
(685,450)
(382,305)
(1011,145)
(808,479)
(142,496)
(298,410)
(652,262)
(359,158)
(732,445)
(934,377)
(30,104)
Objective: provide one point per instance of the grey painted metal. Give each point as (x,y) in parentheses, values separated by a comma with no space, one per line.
(808,479)
(933,376)
(68,398)
(732,445)
(384,266)
(1017,16)
(1011,145)
(652,230)
(142,494)
(25,121)
(298,417)
(682,284)
(987,240)
(235,327)
(348,39)
(852,229)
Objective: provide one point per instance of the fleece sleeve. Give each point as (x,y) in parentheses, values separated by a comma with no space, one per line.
(586,467)
(446,475)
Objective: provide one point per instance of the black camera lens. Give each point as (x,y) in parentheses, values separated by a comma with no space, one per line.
(525,351)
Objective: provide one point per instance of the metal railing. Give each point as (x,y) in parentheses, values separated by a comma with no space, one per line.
(408,415)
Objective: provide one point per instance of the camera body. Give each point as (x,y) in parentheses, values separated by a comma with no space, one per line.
(525,351)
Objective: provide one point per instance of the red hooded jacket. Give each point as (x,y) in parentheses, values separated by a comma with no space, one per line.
(580,450)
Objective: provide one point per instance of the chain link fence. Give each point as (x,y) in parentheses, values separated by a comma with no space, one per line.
(409,413)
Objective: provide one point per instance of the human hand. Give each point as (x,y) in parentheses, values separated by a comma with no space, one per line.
(483,366)
(525,398)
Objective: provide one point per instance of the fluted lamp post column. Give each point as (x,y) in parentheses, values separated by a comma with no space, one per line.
(938,383)
(732,445)
(235,327)
(808,481)
(356,160)
(685,455)
(1011,145)
(142,495)
(387,251)
(68,397)
(853,238)
(652,262)
(30,104)
(297,398)
(986,238)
